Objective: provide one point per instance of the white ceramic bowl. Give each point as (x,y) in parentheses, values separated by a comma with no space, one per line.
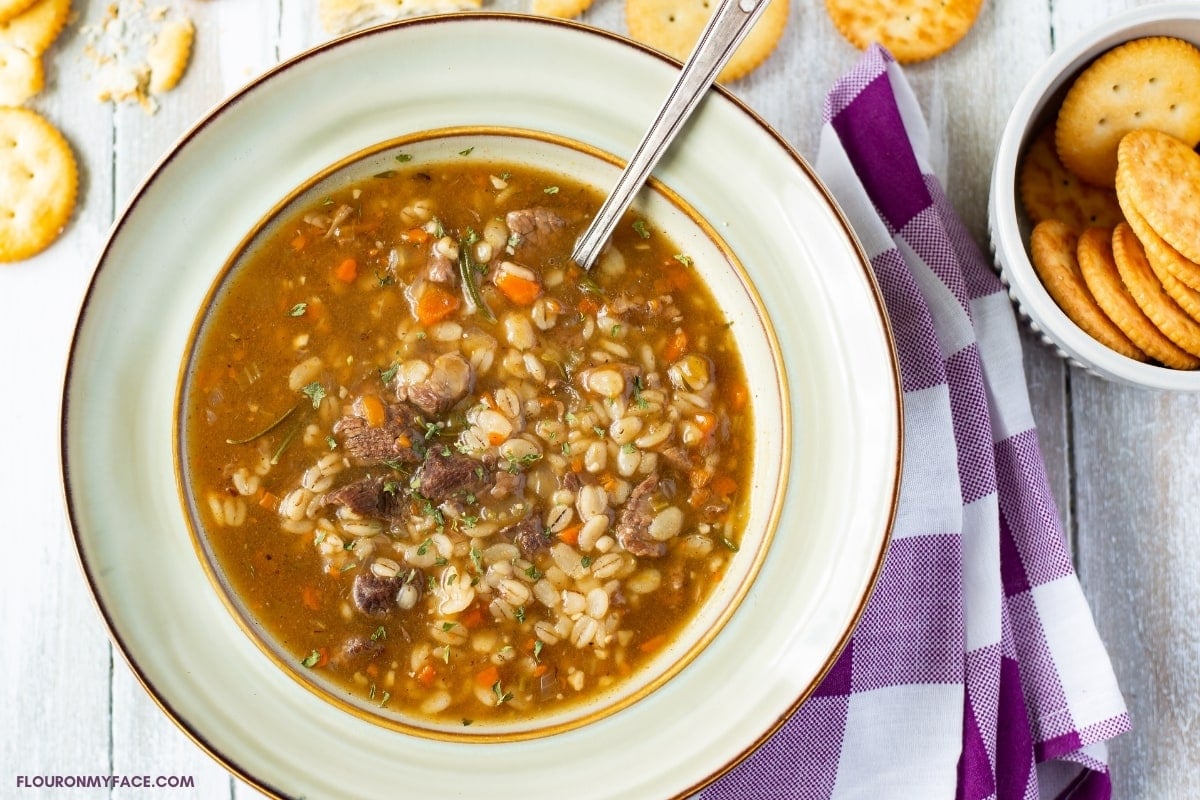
(1010,227)
(842,460)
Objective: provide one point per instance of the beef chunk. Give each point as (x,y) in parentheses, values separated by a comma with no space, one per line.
(357,650)
(376,497)
(448,383)
(507,484)
(444,476)
(633,526)
(441,267)
(534,225)
(373,595)
(528,535)
(397,439)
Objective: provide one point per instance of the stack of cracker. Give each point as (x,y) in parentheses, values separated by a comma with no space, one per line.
(38,175)
(1113,186)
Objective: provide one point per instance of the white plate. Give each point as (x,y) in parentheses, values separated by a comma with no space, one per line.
(497,70)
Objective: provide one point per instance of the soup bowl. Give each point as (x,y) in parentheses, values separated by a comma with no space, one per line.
(659,213)
(772,246)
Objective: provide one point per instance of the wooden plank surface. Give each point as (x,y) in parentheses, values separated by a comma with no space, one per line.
(1123,463)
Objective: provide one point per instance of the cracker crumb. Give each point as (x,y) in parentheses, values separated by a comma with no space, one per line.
(138,52)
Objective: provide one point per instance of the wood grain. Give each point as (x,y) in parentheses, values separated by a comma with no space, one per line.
(1123,463)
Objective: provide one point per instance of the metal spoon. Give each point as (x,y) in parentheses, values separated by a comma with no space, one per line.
(724,32)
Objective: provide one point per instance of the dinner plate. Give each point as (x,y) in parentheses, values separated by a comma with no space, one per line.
(443,72)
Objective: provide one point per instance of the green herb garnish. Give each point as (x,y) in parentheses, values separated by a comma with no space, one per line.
(278,421)
(311,659)
(298,310)
(314,392)
(467,271)
(639,226)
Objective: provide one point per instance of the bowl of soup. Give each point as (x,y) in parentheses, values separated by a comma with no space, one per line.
(376,491)
(451,480)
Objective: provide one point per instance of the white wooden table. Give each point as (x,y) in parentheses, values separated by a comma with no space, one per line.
(1124,463)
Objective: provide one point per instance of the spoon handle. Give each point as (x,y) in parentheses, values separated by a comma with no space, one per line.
(725,31)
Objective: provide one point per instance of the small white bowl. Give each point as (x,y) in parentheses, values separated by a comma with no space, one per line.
(1008,224)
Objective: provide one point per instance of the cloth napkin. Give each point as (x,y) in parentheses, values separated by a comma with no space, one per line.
(976,670)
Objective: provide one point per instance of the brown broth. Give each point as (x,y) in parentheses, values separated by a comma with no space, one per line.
(331,325)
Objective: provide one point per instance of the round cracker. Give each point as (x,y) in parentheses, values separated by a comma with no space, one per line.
(168,54)
(21,75)
(1052,250)
(563,9)
(1183,270)
(911,30)
(1148,292)
(38,182)
(1160,177)
(11,8)
(673,26)
(1099,268)
(36,29)
(1145,83)
(1050,191)
(1168,265)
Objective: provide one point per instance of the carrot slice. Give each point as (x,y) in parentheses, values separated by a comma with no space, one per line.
(570,535)
(346,271)
(372,410)
(521,291)
(488,676)
(435,305)
(427,676)
(676,346)
(311,597)
(415,236)
(723,485)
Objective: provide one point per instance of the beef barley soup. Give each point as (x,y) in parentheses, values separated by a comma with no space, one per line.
(442,469)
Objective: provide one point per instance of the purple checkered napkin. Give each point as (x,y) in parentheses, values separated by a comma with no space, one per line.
(976,670)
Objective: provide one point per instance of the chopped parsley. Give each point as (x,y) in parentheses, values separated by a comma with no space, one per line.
(501,695)
(638,400)
(466,152)
(380,633)
(551,190)
(585,562)
(423,548)
(311,659)
(519,613)
(403,157)
(448,626)
(533,573)
(386,696)
(683,259)
(314,392)
(332,442)
(639,226)
(537,650)
(386,375)
(387,173)
(298,310)
(466,722)
(732,545)
(477,559)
